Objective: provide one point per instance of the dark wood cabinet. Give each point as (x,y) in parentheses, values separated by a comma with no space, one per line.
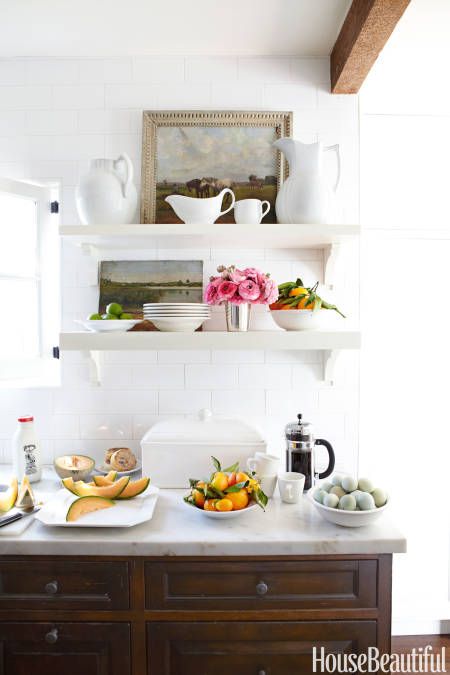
(184,615)
(58,648)
(261,585)
(269,648)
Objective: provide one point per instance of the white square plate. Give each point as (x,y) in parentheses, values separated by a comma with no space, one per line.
(126,513)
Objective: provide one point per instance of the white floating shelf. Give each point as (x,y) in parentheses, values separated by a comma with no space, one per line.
(95,238)
(292,340)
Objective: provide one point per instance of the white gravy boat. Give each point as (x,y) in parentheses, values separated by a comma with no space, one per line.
(195,210)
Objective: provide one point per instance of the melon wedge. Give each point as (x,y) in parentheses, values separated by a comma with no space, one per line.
(69,485)
(84,505)
(109,491)
(134,488)
(105,480)
(25,499)
(8,498)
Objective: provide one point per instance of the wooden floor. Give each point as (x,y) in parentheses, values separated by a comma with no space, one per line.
(405,643)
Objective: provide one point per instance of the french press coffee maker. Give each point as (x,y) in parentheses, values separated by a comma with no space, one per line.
(300,444)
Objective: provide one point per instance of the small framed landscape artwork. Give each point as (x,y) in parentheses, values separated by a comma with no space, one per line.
(132,283)
(197,154)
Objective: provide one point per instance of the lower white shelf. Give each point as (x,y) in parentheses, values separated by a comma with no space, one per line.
(314,339)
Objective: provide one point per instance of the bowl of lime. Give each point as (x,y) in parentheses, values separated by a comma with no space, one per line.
(114,319)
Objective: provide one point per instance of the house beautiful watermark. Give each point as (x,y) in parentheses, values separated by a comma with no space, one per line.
(420,660)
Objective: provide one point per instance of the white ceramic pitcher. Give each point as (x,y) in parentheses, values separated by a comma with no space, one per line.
(304,197)
(106,195)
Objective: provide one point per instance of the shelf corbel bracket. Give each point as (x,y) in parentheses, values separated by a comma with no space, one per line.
(95,366)
(330,258)
(330,358)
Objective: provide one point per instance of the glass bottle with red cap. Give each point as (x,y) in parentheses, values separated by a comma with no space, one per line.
(25,450)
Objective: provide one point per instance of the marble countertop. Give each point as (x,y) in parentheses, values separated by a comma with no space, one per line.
(178,529)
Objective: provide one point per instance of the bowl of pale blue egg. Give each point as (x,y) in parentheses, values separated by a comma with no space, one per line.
(348,501)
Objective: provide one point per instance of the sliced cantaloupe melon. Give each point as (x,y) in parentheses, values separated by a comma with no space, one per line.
(69,485)
(84,505)
(135,488)
(105,480)
(25,499)
(8,498)
(109,491)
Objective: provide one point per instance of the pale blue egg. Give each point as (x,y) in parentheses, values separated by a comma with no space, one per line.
(355,493)
(347,503)
(366,501)
(366,485)
(331,500)
(326,486)
(337,490)
(336,479)
(318,495)
(379,497)
(349,483)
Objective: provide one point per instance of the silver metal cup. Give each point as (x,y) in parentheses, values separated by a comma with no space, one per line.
(238,316)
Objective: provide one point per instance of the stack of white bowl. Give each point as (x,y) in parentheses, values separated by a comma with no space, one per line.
(177,316)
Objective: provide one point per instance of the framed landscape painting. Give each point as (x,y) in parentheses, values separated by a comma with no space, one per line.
(197,154)
(132,283)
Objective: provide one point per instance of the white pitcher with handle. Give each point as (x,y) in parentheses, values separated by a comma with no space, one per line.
(304,197)
(106,195)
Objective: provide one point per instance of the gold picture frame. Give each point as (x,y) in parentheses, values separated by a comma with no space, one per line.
(161,121)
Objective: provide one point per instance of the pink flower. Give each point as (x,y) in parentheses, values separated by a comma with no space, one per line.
(225,291)
(210,294)
(249,291)
(252,273)
(270,293)
(237,276)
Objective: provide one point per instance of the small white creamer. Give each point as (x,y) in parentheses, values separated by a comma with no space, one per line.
(26,454)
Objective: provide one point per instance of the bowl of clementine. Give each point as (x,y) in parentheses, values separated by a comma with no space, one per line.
(228,493)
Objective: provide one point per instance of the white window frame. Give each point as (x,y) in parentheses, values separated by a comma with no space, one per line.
(43,370)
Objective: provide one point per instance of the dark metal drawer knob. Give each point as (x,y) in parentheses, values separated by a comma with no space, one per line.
(52,636)
(262,589)
(51,588)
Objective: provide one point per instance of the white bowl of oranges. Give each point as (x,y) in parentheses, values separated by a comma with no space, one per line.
(228,493)
(299,307)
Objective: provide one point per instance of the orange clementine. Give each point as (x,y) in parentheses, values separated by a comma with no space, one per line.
(199,498)
(220,481)
(201,484)
(276,305)
(231,479)
(210,504)
(305,304)
(238,499)
(224,504)
(252,486)
(298,291)
(241,477)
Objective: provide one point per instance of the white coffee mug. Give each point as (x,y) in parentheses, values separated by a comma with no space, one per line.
(250,211)
(268,484)
(263,464)
(290,485)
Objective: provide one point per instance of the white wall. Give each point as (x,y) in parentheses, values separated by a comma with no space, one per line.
(405,212)
(55,115)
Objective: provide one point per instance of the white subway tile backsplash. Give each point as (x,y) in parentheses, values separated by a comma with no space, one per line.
(55,115)
(106,426)
(209,376)
(78,97)
(158,69)
(183,401)
(158,376)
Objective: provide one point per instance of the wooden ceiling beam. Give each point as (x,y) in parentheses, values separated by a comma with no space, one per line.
(366,29)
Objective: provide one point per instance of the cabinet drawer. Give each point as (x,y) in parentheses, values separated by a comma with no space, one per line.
(69,648)
(265,648)
(61,584)
(320,584)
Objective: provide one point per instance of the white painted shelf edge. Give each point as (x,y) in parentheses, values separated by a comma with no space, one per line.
(96,238)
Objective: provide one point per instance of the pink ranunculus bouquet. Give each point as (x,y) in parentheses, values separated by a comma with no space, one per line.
(239,286)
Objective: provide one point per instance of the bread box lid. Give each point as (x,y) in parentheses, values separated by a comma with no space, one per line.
(204,429)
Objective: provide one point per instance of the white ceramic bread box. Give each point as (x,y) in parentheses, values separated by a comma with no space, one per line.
(175,450)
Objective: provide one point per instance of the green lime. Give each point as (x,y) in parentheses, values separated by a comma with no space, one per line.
(95,317)
(114,308)
(110,317)
(126,316)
